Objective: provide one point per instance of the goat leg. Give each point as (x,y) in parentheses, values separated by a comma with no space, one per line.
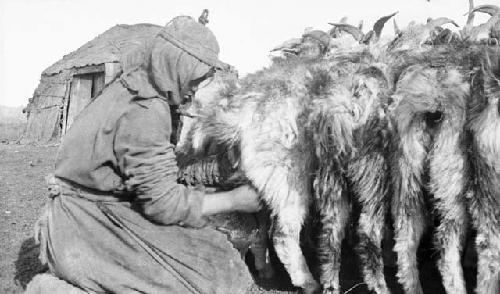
(484,201)
(449,239)
(334,216)
(261,245)
(408,207)
(287,195)
(409,228)
(447,162)
(369,177)
(286,239)
(488,263)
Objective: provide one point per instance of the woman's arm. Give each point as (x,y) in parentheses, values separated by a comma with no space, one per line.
(148,165)
(147,161)
(242,199)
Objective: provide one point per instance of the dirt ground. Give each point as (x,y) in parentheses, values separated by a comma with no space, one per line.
(11,131)
(22,195)
(22,172)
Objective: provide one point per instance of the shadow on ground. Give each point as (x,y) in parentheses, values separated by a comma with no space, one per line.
(27,264)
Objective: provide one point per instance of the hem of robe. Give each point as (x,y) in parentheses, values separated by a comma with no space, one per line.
(109,247)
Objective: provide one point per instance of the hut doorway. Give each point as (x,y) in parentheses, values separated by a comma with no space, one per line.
(83,88)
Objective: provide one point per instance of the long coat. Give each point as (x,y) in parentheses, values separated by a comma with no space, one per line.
(117,220)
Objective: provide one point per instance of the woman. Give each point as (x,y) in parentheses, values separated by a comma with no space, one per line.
(117,220)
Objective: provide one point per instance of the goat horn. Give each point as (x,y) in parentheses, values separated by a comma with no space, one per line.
(369,38)
(489,9)
(350,29)
(470,17)
(397,31)
(360,25)
(379,24)
(440,21)
(288,45)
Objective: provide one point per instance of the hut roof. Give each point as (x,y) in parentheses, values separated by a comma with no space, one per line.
(107,47)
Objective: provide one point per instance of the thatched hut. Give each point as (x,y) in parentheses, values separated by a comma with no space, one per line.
(69,85)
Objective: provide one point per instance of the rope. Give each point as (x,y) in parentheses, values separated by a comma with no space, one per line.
(354,287)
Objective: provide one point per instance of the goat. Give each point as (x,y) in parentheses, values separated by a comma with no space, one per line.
(352,154)
(218,170)
(428,153)
(429,165)
(264,130)
(278,123)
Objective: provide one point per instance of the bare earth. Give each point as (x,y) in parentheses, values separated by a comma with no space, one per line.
(22,172)
(22,195)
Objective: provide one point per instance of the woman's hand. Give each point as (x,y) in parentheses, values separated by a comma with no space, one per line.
(242,199)
(245,199)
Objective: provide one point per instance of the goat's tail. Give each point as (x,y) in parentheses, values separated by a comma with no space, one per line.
(332,126)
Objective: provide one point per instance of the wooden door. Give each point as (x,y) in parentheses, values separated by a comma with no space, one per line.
(84,87)
(79,96)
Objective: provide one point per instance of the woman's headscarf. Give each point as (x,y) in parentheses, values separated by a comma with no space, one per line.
(183,51)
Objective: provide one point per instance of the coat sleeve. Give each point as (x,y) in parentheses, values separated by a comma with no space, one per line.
(148,164)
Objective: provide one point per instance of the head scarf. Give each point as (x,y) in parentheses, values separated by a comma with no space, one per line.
(163,67)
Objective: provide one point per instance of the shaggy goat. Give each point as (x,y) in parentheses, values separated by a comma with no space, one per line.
(264,130)
(217,169)
(278,123)
(353,158)
(429,165)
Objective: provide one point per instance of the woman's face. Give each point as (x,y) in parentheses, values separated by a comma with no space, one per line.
(195,84)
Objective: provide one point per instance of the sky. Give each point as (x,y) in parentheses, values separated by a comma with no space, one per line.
(34,34)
